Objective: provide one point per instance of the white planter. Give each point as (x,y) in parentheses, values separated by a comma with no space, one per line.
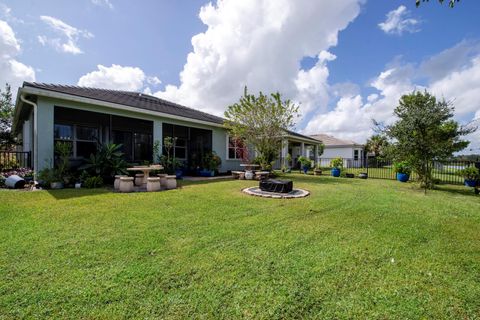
(56,185)
(249,175)
(15,182)
(78,185)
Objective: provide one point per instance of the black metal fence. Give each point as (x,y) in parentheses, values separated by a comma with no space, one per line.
(10,160)
(443,171)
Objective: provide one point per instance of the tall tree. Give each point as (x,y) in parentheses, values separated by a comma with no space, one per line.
(451,3)
(425,132)
(261,122)
(7,139)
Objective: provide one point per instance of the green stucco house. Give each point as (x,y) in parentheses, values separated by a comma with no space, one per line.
(47,113)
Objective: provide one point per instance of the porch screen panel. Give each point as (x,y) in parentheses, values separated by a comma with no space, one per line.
(125,139)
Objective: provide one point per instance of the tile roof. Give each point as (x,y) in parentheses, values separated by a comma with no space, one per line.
(329,140)
(131,99)
(137,100)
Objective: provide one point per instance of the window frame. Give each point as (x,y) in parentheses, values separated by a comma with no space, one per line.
(235,148)
(74,138)
(356,154)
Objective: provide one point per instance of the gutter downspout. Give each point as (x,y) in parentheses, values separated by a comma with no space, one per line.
(35,137)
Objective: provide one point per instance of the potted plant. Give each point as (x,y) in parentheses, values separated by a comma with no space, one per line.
(337,165)
(211,162)
(106,162)
(403,170)
(306,164)
(471,176)
(317,171)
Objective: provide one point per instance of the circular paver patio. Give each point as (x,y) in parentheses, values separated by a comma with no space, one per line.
(295,193)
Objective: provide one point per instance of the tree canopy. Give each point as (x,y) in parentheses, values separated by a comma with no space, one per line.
(451,3)
(261,121)
(7,139)
(377,145)
(425,132)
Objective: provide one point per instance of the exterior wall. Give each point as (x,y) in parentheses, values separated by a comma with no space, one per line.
(45,147)
(27,134)
(337,152)
(342,152)
(46,126)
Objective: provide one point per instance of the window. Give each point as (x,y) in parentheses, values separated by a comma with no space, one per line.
(181,138)
(143,146)
(82,138)
(355,155)
(236,148)
(125,139)
(136,146)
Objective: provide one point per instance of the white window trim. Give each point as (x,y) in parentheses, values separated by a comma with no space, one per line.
(227,157)
(74,139)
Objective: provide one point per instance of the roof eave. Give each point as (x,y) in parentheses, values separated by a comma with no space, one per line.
(71,97)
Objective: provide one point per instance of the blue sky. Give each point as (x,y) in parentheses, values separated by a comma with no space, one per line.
(333,57)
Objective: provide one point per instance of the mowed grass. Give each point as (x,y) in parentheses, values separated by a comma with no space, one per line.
(368,249)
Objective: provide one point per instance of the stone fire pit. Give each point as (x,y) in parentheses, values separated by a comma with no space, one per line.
(277,189)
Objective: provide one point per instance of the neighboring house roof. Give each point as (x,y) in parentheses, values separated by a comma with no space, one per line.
(294,134)
(136,100)
(129,98)
(331,141)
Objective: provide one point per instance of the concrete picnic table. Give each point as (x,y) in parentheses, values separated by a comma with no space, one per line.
(146,170)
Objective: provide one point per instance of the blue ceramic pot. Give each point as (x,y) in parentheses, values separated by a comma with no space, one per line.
(305,169)
(179,173)
(336,172)
(402,177)
(470,183)
(207,173)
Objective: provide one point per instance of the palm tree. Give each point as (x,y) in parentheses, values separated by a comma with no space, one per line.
(377,145)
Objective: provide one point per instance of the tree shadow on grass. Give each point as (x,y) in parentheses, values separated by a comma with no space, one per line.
(456,189)
(323,179)
(70,193)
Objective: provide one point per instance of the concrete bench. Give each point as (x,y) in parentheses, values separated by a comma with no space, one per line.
(261,175)
(163,180)
(238,175)
(153,184)
(139,179)
(171,182)
(126,184)
(116,184)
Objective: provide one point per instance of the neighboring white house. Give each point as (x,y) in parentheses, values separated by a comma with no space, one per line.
(350,151)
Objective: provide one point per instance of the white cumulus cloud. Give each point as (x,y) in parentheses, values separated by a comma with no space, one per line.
(260,43)
(118,77)
(12,71)
(68,42)
(352,116)
(399,21)
(103,3)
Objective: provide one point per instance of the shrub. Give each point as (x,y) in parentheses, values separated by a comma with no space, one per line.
(106,162)
(470,173)
(264,163)
(402,167)
(337,163)
(211,161)
(93,182)
(305,162)
(47,176)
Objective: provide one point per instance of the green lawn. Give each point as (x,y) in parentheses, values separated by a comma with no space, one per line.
(368,249)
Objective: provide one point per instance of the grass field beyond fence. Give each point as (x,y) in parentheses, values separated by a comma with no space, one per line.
(366,249)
